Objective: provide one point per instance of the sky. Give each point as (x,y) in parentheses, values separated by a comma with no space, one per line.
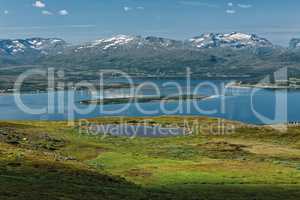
(79,21)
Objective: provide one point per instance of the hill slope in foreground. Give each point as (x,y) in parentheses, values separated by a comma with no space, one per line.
(50,160)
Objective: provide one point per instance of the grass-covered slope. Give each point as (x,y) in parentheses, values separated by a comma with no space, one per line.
(50,160)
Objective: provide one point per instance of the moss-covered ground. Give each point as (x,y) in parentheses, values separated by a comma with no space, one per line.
(52,160)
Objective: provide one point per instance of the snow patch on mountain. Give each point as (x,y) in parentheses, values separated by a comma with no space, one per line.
(113,42)
(233,40)
(136,42)
(31,45)
(294,43)
(211,40)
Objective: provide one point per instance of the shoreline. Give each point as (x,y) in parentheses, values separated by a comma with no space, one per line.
(270,87)
(108,87)
(114,117)
(143,99)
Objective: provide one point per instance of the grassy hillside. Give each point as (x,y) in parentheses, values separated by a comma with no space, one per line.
(50,160)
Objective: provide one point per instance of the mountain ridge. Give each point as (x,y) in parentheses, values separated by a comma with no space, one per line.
(37,45)
(214,54)
(19,46)
(211,40)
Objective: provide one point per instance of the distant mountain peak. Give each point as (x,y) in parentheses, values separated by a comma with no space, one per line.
(30,46)
(294,43)
(107,43)
(118,39)
(233,40)
(128,41)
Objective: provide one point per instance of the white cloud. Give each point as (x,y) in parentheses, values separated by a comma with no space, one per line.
(46,12)
(245,6)
(230,4)
(194,3)
(63,12)
(126,8)
(39,4)
(230,11)
(6,12)
(140,8)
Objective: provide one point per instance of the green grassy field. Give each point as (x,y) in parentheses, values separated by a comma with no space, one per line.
(51,160)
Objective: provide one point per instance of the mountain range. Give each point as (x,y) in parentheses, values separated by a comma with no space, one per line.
(208,55)
(52,46)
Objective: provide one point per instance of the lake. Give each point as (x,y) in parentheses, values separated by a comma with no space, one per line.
(253,106)
(135,130)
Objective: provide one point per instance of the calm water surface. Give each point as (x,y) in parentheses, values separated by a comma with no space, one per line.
(246,105)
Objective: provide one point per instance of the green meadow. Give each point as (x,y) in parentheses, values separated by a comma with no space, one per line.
(53,160)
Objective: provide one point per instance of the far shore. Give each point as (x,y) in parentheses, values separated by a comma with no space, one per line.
(261,86)
(83,88)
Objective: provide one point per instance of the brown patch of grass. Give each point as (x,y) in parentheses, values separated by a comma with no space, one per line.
(223,149)
(138,173)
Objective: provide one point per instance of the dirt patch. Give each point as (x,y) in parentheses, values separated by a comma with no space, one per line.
(47,142)
(224,149)
(10,136)
(272,150)
(94,153)
(222,145)
(6,125)
(41,141)
(138,173)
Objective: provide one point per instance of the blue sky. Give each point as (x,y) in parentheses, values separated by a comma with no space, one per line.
(84,20)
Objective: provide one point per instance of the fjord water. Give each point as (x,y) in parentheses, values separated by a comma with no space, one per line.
(239,104)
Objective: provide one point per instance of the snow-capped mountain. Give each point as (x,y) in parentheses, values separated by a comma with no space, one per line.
(111,43)
(295,43)
(46,46)
(232,40)
(129,42)
(32,50)
(211,40)
(214,53)
(31,46)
